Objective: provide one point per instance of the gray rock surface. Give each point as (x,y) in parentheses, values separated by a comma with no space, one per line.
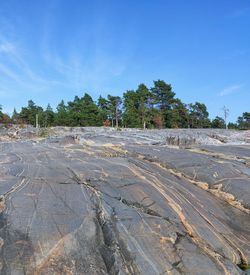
(102,201)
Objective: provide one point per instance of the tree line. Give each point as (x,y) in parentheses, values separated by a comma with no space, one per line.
(155,107)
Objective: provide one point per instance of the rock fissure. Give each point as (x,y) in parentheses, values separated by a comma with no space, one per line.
(124,202)
(228,197)
(115,255)
(202,244)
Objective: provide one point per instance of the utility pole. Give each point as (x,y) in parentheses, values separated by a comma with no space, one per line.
(226,113)
(37,125)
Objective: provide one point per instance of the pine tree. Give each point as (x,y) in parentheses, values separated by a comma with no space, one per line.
(103,107)
(144,96)
(179,114)
(131,115)
(244,121)
(218,122)
(49,116)
(89,112)
(61,116)
(74,112)
(114,108)
(198,115)
(28,114)
(163,100)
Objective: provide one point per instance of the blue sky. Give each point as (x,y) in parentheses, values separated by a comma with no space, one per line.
(56,49)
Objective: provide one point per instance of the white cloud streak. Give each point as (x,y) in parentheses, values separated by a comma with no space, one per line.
(30,72)
(230,90)
(15,69)
(6,47)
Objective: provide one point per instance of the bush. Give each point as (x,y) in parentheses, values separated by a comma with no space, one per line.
(43,132)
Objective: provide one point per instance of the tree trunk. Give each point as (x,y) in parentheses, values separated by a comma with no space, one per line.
(116,121)
(116,117)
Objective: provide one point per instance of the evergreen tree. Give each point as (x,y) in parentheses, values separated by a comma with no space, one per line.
(61,116)
(232,126)
(198,115)
(218,122)
(1,114)
(136,107)
(83,112)
(244,121)
(49,116)
(75,112)
(131,115)
(114,108)
(89,112)
(163,100)
(144,96)
(103,107)
(143,107)
(28,114)
(179,114)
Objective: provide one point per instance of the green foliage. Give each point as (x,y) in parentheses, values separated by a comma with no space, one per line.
(163,99)
(155,107)
(244,121)
(198,116)
(232,126)
(104,109)
(61,117)
(114,106)
(131,116)
(90,115)
(1,114)
(28,114)
(49,116)
(179,115)
(138,108)
(83,112)
(144,96)
(218,122)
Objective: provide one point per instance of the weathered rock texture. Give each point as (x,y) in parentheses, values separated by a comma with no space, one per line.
(102,201)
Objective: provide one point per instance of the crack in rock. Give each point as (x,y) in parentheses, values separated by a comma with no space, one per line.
(113,250)
(228,197)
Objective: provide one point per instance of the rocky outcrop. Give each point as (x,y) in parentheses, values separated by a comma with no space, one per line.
(100,201)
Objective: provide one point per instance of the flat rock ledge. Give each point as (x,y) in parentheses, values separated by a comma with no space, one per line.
(127,201)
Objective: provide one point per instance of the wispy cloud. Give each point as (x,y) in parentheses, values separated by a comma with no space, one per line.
(230,90)
(89,66)
(16,66)
(49,66)
(6,47)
